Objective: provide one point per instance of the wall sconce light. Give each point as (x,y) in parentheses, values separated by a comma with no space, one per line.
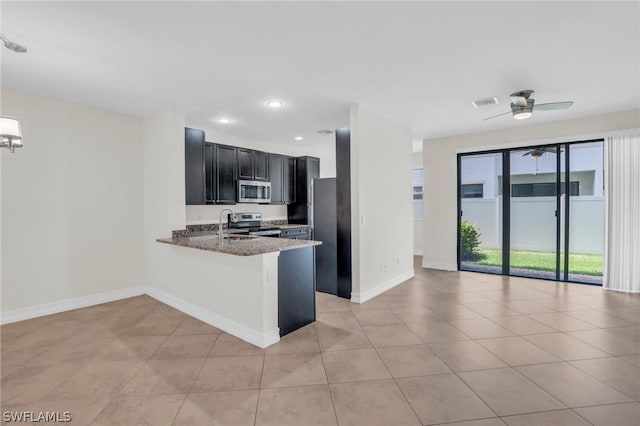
(10,134)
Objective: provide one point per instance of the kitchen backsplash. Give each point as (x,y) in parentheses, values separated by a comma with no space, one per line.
(203,215)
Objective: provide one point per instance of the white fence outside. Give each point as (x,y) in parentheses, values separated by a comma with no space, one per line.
(533,222)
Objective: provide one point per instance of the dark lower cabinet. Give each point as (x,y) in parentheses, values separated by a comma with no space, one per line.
(296,289)
(194,166)
(301,233)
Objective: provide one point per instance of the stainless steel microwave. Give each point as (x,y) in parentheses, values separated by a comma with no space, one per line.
(250,191)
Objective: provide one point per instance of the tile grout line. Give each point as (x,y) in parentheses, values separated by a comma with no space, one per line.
(406,400)
(195,377)
(452,372)
(255,414)
(324,367)
(144,362)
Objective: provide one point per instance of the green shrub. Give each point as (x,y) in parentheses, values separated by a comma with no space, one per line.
(469,241)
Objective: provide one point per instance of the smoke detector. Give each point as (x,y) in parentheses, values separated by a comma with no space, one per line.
(485,102)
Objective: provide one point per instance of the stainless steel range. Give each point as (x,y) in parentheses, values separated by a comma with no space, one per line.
(252,224)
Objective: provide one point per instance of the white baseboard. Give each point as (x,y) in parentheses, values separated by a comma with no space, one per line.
(14,315)
(439,265)
(381,288)
(240,331)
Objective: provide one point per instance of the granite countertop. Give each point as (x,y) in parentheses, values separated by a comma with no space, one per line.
(238,245)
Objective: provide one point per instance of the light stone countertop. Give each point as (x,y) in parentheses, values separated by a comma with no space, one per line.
(239,245)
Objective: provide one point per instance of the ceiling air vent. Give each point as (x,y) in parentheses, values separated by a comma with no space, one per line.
(325,132)
(485,102)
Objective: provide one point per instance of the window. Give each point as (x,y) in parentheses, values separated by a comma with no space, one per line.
(473,190)
(418,202)
(546,189)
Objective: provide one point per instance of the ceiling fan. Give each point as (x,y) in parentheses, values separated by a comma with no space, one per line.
(522,105)
(539,152)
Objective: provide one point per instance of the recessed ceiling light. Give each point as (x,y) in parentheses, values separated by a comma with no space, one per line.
(299,138)
(223,120)
(275,104)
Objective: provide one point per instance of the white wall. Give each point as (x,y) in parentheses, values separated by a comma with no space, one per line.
(210,214)
(440,170)
(164,192)
(416,163)
(72,208)
(381,216)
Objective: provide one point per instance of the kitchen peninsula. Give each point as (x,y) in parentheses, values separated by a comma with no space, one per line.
(255,288)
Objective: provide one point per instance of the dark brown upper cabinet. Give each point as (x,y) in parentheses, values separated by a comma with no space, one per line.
(212,171)
(246,164)
(289,180)
(194,166)
(226,172)
(253,165)
(276,169)
(283,175)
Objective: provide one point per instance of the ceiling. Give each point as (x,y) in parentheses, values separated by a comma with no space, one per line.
(419,63)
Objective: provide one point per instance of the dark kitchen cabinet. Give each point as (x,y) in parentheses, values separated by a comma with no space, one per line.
(296,289)
(306,169)
(276,168)
(194,166)
(289,180)
(282,171)
(219,173)
(209,172)
(246,165)
(261,165)
(212,172)
(226,173)
(253,165)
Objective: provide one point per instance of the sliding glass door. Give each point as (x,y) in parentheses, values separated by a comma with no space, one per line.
(534,212)
(585,248)
(534,225)
(480,197)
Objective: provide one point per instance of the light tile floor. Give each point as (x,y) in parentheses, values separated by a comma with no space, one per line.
(443,348)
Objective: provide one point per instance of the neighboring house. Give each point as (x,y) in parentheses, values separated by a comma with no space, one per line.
(533,202)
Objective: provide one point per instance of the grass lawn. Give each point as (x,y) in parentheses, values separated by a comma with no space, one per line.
(583,264)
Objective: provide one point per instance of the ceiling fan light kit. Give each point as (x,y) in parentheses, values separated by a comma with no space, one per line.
(522,105)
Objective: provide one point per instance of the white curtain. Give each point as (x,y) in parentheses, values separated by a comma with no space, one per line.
(622,215)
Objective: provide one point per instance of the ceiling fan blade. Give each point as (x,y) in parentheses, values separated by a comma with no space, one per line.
(553,105)
(527,153)
(519,101)
(494,116)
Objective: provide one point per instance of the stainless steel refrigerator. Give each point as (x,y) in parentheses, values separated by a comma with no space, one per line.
(324,208)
